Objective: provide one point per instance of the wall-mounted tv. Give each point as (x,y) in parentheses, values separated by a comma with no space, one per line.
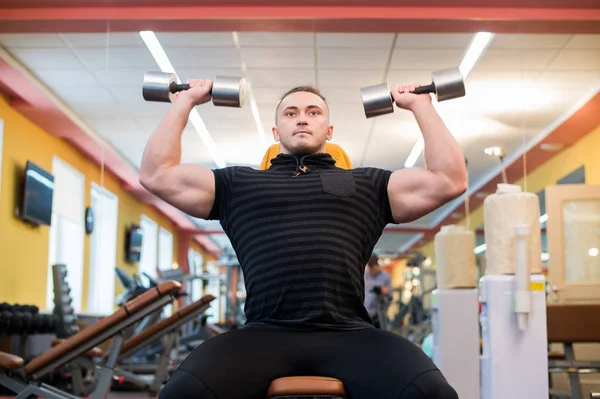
(38,192)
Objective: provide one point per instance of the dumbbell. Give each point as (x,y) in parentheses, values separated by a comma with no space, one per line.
(226,91)
(446,84)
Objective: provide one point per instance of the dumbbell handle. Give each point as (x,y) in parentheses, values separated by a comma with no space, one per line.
(430,88)
(176,88)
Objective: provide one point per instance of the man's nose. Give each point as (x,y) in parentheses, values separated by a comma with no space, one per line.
(301,120)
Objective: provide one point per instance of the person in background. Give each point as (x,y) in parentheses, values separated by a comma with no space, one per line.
(378,286)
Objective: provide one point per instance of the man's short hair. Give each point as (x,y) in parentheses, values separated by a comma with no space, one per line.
(305,88)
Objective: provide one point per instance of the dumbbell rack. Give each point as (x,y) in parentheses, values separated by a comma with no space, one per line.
(15,321)
(66,326)
(65,314)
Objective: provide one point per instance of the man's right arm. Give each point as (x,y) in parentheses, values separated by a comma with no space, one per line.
(191,188)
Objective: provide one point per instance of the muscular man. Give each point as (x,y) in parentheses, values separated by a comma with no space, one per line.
(303,231)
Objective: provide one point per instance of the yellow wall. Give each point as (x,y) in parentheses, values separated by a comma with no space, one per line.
(583,152)
(24,249)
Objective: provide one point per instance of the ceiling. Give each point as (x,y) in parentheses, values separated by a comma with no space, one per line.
(520,90)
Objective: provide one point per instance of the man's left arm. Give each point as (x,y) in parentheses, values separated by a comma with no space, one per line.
(415,192)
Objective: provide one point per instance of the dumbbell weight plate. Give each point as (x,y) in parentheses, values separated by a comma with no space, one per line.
(228,91)
(156,86)
(377,100)
(449,84)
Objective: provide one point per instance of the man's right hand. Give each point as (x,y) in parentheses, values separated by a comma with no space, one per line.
(198,93)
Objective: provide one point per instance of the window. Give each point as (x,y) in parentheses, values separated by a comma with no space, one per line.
(148,257)
(165,258)
(195,270)
(67,230)
(103,252)
(165,249)
(214,288)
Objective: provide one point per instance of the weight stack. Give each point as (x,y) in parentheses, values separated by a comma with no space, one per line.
(63,304)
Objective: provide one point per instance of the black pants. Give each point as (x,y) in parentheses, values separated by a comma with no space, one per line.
(371,363)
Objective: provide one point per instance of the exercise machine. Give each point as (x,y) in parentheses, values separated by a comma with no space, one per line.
(166,330)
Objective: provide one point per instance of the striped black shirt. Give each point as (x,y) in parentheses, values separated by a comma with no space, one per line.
(303,231)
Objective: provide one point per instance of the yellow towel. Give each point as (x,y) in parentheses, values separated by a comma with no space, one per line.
(342,160)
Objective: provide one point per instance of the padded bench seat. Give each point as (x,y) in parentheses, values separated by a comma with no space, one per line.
(164,325)
(10,362)
(306,385)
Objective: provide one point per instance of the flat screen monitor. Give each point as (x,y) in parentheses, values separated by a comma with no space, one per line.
(133,243)
(38,193)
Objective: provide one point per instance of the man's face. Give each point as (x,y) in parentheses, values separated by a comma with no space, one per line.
(374,269)
(302,124)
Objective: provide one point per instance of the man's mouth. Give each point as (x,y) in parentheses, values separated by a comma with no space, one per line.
(301,131)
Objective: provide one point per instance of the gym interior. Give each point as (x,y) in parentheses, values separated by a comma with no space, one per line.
(105,288)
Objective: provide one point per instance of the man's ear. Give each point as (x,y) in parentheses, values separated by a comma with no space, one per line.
(329,132)
(275,134)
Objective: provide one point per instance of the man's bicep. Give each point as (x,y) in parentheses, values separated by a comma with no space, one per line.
(413,193)
(191,188)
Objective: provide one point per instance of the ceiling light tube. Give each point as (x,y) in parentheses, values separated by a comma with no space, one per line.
(249,93)
(480,248)
(478,44)
(414,153)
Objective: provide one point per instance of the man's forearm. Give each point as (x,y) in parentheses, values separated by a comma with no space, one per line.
(442,153)
(163,149)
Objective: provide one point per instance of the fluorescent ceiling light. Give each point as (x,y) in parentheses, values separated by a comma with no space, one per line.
(414,153)
(159,55)
(478,44)
(480,248)
(250,94)
(157,51)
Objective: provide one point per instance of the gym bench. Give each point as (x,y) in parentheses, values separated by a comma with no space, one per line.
(167,328)
(78,345)
(569,324)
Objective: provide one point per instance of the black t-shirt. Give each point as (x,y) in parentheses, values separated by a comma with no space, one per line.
(303,231)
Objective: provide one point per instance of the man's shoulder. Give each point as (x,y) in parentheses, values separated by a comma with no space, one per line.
(232,170)
(372,174)
(370,170)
